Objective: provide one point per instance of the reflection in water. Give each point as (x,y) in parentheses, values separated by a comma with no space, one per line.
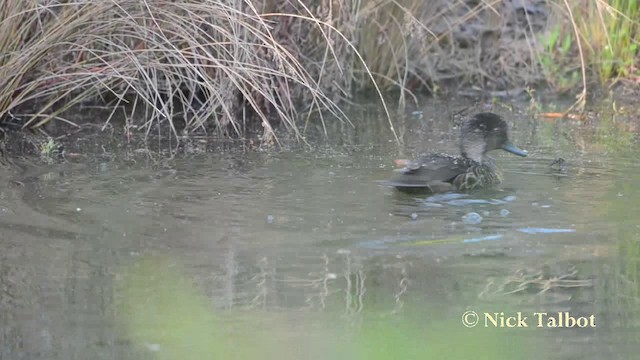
(306,244)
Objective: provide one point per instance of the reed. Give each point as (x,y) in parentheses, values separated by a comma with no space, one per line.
(589,42)
(204,62)
(193,66)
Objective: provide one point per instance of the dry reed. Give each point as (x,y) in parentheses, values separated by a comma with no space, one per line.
(202,60)
(226,63)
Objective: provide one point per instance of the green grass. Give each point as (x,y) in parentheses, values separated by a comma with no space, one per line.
(556,60)
(48,150)
(620,22)
(594,39)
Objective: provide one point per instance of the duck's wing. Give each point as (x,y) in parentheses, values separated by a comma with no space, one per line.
(437,167)
(433,173)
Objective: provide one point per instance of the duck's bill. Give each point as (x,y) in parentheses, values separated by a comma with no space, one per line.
(514,149)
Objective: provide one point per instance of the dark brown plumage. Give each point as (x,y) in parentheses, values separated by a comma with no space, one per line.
(470,170)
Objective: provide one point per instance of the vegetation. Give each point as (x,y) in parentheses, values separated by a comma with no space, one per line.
(603,36)
(201,65)
(206,61)
(611,40)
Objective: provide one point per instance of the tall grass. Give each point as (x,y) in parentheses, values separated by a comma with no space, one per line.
(442,45)
(612,39)
(199,60)
(494,45)
(591,41)
(230,63)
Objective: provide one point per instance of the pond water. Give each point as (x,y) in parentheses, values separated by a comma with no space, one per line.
(305,248)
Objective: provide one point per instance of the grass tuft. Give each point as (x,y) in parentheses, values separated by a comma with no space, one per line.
(201,62)
(192,66)
(590,41)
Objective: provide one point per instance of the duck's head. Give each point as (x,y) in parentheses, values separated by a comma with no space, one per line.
(485,132)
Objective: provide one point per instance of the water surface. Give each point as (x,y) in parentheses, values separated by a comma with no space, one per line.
(303,243)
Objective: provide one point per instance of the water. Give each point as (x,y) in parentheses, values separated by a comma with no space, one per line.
(302,245)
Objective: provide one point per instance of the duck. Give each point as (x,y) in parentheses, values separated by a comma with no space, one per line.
(472,169)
